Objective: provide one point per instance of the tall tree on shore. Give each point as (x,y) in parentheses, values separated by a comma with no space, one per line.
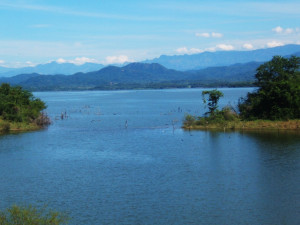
(212,101)
(278,93)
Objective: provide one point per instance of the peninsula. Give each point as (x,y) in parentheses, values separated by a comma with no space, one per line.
(274,105)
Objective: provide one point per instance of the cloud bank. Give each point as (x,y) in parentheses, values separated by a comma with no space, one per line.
(77,60)
(209,35)
(273,44)
(185,50)
(116,59)
(285,31)
(248,46)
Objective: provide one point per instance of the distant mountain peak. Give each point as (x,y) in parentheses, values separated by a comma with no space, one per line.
(222,58)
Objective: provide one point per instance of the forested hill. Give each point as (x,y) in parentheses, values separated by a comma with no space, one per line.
(139,74)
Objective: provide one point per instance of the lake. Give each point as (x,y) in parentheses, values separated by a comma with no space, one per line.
(121,157)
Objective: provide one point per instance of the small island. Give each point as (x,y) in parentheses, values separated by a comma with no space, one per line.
(274,105)
(20,110)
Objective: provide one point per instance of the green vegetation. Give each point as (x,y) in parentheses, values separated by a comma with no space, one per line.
(278,96)
(274,105)
(213,99)
(20,110)
(20,215)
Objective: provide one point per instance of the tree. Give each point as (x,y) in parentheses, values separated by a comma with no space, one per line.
(213,98)
(278,93)
(19,105)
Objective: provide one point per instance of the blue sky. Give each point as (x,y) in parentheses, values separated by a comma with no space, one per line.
(39,31)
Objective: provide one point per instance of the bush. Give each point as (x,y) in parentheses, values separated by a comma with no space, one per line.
(4,127)
(229,113)
(189,120)
(42,120)
(20,215)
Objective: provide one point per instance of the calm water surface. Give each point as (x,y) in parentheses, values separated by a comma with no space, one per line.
(152,172)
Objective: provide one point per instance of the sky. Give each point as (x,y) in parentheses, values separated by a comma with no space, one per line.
(115,31)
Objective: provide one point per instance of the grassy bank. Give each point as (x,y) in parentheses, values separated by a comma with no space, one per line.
(12,126)
(6,127)
(242,125)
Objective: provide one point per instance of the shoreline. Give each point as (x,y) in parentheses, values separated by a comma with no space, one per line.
(7,127)
(247,125)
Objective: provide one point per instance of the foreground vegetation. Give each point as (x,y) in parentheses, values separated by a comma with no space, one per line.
(21,215)
(274,105)
(20,110)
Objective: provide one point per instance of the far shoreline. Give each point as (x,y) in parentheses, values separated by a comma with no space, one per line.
(138,89)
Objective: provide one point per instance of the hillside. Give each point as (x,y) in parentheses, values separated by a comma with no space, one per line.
(136,75)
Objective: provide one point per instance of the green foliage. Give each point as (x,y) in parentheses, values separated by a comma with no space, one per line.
(20,215)
(189,120)
(213,98)
(4,126)
(219,117)
(278,95)
(19,105)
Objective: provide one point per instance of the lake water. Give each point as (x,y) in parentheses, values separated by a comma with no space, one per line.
(101,169)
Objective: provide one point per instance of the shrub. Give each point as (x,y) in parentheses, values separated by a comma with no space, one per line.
(189,120)
(42,120)
(21,215)
(4,127)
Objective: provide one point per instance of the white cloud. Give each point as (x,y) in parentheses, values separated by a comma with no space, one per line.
(30,64)
(82,60)
(216,35)
(280,30)
(195,50)
(208,35)
(77,60)
(289,31)
(248,46)
(182,50)
(211,49)
(274,44)
(185,50)
(116,59)
(225,47)
(2,61)
(61,60)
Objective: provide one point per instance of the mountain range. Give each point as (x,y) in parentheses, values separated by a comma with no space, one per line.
(223,58)
(136,75)
(51,68)
(151,75)
(176,62)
